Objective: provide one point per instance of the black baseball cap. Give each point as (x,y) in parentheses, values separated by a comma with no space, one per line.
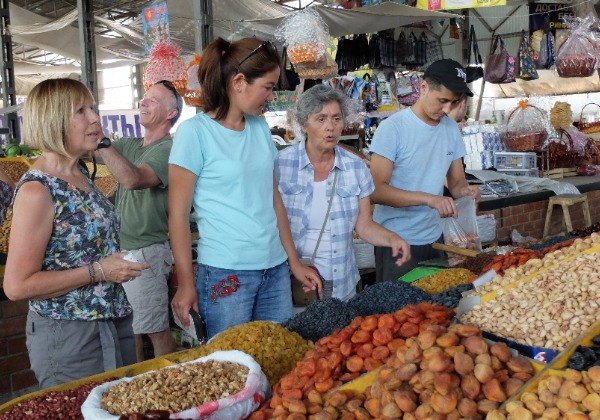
(449,73)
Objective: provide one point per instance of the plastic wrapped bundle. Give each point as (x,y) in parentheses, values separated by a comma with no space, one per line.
(305,35)
(165,64)
(576,57)
(525,128)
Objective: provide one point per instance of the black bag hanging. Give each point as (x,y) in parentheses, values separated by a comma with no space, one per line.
(411,46)
(374,55)
(401,48)
(421,50)
(475,71)
(288,78)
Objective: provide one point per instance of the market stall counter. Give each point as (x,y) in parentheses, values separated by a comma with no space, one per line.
(526,212)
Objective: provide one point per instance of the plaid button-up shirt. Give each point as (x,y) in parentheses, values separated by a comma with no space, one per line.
(295,175)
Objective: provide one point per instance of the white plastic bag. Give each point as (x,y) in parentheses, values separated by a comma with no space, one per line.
(236,406)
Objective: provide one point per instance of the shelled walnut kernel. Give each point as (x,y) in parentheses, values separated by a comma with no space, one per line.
(176,389)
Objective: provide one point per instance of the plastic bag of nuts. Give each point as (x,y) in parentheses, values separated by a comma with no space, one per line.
(228,383)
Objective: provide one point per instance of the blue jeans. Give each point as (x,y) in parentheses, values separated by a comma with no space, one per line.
(262,295)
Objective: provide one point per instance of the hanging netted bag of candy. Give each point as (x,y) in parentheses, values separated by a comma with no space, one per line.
(165,64)
(576,57)
(305,35)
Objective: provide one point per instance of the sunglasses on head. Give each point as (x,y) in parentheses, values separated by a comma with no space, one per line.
(171,87)
(265,44)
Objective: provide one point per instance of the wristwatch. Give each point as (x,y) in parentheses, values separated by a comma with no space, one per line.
(104,143)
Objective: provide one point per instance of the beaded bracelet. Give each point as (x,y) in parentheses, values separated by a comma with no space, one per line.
(92,273)
(101,271)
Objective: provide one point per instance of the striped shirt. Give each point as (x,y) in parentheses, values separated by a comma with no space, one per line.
(295,176)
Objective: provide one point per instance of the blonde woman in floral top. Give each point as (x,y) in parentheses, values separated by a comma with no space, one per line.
(64,245)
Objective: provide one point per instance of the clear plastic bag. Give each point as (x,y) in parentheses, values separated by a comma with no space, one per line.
(306,36)
(462,232)
(525,128)
(576,57)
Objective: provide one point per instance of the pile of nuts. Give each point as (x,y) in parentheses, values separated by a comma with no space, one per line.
(533,265)
(576,396)
(14,169)
(446,373)
(362,346)
(443,280)
(53,405)
(176,388)
(550,310)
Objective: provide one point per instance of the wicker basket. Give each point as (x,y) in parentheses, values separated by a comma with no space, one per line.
(575,65)
(559,154)
(527,141)
(588,127)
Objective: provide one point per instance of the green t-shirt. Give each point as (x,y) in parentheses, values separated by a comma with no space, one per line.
(145,213)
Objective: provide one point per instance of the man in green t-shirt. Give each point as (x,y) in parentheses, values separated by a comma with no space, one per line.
(140,165)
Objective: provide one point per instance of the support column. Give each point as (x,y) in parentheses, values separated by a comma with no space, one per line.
(9,93)
(87,46)
(203,28)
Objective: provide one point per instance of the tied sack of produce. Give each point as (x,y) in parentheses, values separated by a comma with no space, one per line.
(236,406)
(576,57)
(525,128)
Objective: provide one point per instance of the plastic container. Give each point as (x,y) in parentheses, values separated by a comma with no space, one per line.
(515,160)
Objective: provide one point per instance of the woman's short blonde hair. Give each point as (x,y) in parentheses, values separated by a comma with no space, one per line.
(48,111)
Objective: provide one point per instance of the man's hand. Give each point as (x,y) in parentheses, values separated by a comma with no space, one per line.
(444,205)
(471,190)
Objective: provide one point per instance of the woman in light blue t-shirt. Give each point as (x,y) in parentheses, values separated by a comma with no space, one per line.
(222,163)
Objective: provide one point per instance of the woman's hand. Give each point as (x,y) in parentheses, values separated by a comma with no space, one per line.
(119,270)
(308,277)
(400,249)
(184,299)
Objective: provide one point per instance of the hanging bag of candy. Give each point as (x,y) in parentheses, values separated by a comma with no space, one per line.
(305,35)
(576,57)
(165,64)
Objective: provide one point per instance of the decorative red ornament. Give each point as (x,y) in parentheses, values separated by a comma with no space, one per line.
(165,64)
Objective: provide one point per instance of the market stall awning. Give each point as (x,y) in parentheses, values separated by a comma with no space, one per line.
(375,18)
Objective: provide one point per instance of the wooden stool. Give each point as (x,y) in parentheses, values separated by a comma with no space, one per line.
(565,201)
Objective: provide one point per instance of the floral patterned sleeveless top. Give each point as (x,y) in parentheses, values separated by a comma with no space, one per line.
(85,230)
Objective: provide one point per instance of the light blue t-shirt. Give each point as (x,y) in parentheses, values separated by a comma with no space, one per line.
(422,155)
(233,196)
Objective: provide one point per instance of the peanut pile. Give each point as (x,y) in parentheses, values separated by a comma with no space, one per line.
(53,405)
(576,396)
(550,310)
(177,388)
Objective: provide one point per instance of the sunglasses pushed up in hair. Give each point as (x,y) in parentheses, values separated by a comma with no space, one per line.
(265,44)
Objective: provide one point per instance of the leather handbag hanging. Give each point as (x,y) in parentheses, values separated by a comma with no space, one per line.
(499,66)
(474,71)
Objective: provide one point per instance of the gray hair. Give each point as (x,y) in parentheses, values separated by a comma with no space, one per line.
(312,101)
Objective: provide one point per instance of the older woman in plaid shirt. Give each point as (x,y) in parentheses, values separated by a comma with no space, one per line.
(308,171)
